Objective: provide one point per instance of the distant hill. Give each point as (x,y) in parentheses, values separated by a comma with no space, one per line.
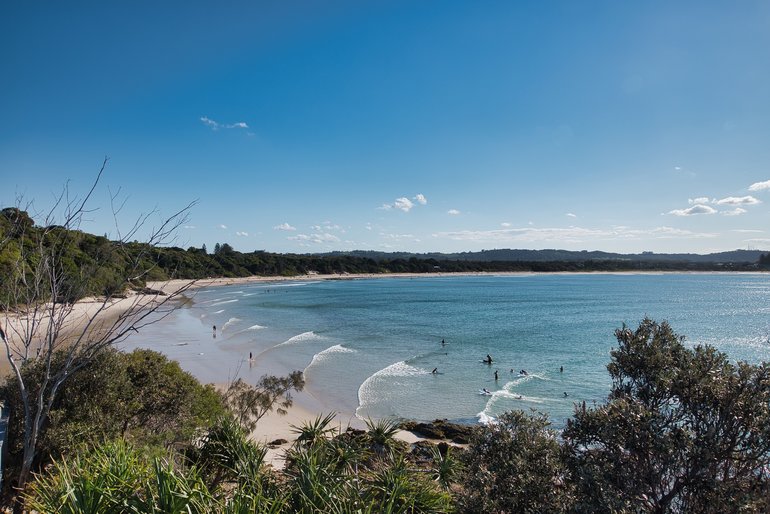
(552,255)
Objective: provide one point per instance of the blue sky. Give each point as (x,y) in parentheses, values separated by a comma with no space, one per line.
(418,126)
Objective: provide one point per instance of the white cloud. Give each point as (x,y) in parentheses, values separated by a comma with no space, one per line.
(760,186)
(398,237)
(368,226)
(570,215)
(189,227)
(214,125)
(315,238)
(698,201)
(403,204)
(328,226)
(738,200)
(569,235)
(735,212)
(284,226)
(211,123)
(453,212)
(242,234)
(223,227)
(747,231)
(694,210)
(505,224)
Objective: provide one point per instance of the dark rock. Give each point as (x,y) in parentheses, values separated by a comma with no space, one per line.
(277,442)
(147,290)
(440,429)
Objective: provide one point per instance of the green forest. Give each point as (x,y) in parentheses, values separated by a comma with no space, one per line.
(103,263)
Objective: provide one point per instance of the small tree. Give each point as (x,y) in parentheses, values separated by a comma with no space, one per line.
(515,465)
(37,307)
(250,403)
(683,431)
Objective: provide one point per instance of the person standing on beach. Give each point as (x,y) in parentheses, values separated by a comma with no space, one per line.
(215,331)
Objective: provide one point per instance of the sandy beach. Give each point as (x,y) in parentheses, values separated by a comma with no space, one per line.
(94,314)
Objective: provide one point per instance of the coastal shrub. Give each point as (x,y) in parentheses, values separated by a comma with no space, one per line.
(683,430)
(141,396)
(515,465)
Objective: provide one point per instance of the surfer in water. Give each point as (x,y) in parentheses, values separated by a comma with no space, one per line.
(496,377)
(488,360)
(435,371)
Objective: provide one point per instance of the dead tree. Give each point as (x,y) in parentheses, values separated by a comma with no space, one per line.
(41,321)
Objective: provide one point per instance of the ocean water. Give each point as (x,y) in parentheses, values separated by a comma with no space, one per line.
(368,346)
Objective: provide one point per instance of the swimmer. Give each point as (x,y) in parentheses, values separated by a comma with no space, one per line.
(565,394)
(561,369)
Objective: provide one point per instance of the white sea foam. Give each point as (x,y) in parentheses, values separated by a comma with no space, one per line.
(328,353)
(366,392)
(300,338)
(220,311)
(230,322)
(485,419)
(255,327)
(223,302)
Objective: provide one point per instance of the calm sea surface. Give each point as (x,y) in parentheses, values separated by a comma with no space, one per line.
(368,346)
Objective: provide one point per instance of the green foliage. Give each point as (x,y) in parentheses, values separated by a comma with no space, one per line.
(446,468)
(515,465)
(139,395)
(684,430)
(381,434)
(226,454)
(395,489)
(311,432)
(764,261)
(116,478)
(250,403)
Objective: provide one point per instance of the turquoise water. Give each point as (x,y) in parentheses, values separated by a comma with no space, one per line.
(368,346)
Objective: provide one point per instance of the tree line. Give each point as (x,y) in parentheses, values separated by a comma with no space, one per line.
(99,266)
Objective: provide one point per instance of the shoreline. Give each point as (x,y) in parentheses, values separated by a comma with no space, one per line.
(306,407)
(169,286)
